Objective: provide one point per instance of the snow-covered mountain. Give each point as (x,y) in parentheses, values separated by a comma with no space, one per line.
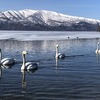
(45,20)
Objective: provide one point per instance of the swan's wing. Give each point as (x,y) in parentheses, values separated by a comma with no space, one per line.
(61,55)
(31,65)
(7,61)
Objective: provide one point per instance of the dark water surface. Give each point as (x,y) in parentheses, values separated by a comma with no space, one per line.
(77,77)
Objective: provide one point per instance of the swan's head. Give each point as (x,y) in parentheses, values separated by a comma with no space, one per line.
(98,43)
(24,53)
(57,46)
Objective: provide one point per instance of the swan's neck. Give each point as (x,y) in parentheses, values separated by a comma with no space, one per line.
(57,52)
(24,61)
(0,72)
(0,56)
(0,63)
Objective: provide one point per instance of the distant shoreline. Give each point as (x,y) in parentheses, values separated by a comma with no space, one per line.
(52,30)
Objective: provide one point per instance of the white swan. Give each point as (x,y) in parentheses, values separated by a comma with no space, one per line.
(59,55)
(6,61)
(97,50)
(27,65)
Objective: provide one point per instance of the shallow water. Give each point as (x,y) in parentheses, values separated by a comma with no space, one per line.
(77,77)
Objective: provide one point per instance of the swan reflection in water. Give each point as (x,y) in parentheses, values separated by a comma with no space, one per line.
(98,57)
(0,71)
(56,63)
(24,83)
(3,67)
(6,66)
(24,79)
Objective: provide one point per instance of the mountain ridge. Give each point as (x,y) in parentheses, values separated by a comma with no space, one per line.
(45,20)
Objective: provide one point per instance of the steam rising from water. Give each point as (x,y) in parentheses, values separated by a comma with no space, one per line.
(46,35)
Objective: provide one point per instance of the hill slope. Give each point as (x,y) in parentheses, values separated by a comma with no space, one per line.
(45,20)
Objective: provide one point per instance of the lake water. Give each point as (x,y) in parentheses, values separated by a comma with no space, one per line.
(77,77)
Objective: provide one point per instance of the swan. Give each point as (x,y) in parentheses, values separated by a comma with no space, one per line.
(6,61)
(59,55)
(97,50)
(27,66)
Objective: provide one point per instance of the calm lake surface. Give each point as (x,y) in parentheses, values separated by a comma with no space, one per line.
(77,77)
